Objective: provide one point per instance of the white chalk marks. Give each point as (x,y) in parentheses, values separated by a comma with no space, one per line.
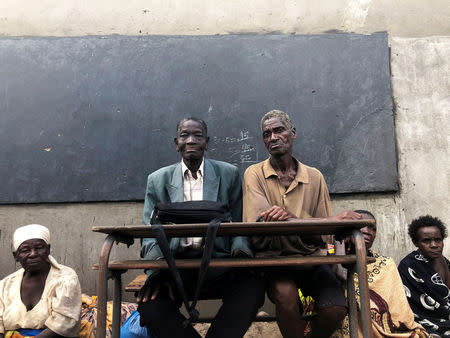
(240,150)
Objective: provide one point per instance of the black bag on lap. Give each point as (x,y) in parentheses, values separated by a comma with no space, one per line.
(189,212)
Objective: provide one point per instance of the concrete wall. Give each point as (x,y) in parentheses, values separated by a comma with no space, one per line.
(419,37)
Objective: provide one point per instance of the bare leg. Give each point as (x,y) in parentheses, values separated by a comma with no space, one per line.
(327,321)
(285,296)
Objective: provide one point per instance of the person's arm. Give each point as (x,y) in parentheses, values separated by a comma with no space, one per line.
(150,249)
(447,270)
(255,201)
(323,209)
(344,215)
(277,213)
(441,267)
(257,205)
(64,306)
(240,245)
(235,197)
(149,246)
(150,200)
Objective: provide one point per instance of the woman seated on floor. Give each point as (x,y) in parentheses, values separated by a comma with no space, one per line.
(42,299)
(426,277)
(390,312)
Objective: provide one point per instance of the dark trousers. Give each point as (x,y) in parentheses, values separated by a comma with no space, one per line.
(242,295)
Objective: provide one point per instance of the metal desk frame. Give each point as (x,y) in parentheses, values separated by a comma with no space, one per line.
(127,234)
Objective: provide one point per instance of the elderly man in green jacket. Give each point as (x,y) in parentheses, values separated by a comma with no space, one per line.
(198,178)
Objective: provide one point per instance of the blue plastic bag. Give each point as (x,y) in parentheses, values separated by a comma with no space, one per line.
(132,328)
(29,332)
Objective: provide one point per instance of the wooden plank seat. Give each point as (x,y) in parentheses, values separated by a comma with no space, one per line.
(234,262)
(136,284)
(127,234)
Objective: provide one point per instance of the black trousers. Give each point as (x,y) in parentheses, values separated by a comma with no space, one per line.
(242,295)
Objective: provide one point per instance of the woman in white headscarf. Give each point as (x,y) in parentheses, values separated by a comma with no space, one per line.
(43,299)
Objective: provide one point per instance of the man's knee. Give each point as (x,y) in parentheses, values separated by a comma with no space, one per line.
(284,293)
(333,313)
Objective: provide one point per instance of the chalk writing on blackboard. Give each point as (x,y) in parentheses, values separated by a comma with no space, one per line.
(240,150)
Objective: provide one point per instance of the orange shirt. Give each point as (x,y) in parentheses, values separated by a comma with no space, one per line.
(307,196)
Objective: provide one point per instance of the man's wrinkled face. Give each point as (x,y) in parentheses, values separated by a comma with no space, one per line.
(277,138)
(191,140)
(33,254)
(430,242)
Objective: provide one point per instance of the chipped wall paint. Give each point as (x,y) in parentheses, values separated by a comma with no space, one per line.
(355,14)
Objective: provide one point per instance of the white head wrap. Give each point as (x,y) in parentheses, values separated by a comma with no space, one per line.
(30,231)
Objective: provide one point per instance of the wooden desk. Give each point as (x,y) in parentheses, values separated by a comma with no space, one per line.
(127,234)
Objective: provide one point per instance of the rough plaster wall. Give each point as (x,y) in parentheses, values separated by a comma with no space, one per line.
(421,88)
(134,17)
(420,81)
(72,241)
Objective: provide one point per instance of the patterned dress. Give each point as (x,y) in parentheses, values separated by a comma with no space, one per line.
(389,309)
(427,294)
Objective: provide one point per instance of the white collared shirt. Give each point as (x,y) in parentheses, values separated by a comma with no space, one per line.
(193,188)
(193,191)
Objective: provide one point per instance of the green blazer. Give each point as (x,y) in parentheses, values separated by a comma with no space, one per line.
(221,182)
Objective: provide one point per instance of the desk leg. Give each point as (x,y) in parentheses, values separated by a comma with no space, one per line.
(361,269)
(103,286)
(352,306)
(117,303)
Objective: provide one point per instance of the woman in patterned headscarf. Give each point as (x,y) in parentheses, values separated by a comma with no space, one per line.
(426,277)
(43,298)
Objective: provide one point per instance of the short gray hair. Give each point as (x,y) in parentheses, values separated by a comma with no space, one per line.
(284,118)
(203,124)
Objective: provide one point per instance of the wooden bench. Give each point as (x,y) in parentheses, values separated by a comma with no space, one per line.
(127,234)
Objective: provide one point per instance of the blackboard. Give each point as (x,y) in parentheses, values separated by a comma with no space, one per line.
(88,118)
